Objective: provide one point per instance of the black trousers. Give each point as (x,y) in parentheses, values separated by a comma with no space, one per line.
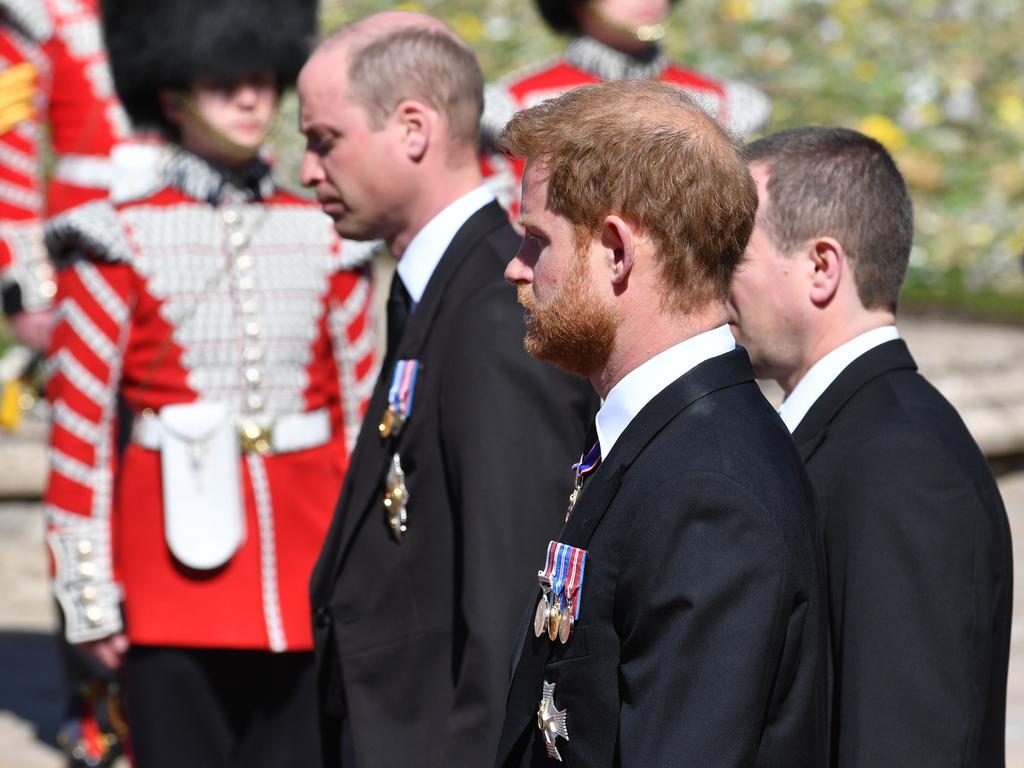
(213,708)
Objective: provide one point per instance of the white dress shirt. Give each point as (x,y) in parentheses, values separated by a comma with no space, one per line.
(428,246)
(643,384)
(825,371)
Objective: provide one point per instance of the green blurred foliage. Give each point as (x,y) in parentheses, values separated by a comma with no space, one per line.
(939,82)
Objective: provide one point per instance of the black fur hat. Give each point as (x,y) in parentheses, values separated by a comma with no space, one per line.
(156,44)
(559,16)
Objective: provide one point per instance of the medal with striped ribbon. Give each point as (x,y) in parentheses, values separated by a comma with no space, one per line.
(400,395)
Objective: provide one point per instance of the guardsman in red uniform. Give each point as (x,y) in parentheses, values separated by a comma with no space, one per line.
(611,40)
(230,320)
(53,76)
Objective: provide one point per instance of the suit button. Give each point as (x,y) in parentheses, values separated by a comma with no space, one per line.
(322,618)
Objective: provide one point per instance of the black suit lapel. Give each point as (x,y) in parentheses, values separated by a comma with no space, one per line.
(812,429)
(717,373)
(364,479)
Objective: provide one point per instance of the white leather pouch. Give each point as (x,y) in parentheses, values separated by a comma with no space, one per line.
(204,520)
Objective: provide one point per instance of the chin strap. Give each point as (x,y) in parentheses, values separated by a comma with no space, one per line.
(645,33)
(237,152)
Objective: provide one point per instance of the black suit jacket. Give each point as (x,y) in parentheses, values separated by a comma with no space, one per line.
(919,569)
(702,634)
(413,638)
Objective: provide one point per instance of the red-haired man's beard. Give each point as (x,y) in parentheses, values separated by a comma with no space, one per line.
(573,330)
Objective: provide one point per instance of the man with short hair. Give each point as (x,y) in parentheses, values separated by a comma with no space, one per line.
(459,471)
(916,537)
(681,616)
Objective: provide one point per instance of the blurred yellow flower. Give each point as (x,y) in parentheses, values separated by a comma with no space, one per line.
(865,70)
(979,235)
(738,10)
(884,131)
(468,26)
(1010,110)
(411,6)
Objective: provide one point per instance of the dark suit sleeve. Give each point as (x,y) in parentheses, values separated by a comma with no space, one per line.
(511,427)
(911,613)
(701,603)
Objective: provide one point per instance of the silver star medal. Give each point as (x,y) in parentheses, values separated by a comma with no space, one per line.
(396,497)
(551,721)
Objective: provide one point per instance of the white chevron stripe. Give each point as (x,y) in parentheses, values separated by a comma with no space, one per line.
(71,468)
(77,425)
(88,331)
(101,290)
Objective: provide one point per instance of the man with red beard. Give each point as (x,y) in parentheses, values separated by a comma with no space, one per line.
(680,618)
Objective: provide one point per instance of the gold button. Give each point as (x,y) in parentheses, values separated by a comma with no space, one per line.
(249,306)
(253,375)
(48,289)
(252,329)
(90,593)
(87,570)
(84,548)
(244,261)
(231,216)
(252,354)
(246,283)
(238,239)
(254,401)
(94,614)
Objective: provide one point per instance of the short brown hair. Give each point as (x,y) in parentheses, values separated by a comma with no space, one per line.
(648,153)
(839,183)
(413,62)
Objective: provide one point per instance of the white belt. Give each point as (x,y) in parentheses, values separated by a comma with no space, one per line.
(83,171)
(285,434)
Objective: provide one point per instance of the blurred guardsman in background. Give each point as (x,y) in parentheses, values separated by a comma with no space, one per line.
(53,78)
(680,617)
(916,538)
(611,40)
(60,124)
(231,320)
(461,468)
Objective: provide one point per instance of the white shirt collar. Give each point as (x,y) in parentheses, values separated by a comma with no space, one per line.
(428,246)
(826,370)
(642,384)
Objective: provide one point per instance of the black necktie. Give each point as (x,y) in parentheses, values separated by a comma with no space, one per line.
(399,302)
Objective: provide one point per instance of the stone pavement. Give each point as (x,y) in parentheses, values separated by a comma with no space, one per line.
(980,368)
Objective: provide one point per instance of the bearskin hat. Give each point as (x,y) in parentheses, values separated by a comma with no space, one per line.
(155,44)
(559,16)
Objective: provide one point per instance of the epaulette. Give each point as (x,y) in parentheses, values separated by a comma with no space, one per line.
(749,108)
(499,106)
(31,18)
(93,229)
(355,253)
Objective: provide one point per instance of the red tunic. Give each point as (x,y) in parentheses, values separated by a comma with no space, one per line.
(738,106)
(75,99)
(251,303)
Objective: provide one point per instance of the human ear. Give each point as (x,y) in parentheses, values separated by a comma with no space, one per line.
(416,125)
(828,264)
(620,241)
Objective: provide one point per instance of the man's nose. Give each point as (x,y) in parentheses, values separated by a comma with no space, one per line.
(310,172)
(518,272)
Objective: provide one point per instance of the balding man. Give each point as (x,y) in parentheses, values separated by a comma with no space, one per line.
(462,466)
(917,543)
(680,619)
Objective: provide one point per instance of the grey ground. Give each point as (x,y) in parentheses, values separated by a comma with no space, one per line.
(980,368)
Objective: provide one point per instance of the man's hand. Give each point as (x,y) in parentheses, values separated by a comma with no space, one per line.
(109,651)
(33,328)
(18,86)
